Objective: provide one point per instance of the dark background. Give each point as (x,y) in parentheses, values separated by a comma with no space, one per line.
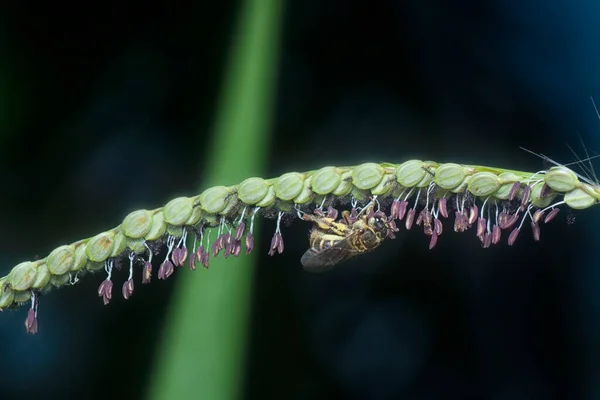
(101,101)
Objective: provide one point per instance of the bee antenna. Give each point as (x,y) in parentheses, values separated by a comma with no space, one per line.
(370,204)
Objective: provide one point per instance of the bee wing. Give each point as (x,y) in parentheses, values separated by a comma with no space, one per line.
(314,260)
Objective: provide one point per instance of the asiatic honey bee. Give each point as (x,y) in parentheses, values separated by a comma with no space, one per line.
(332,242)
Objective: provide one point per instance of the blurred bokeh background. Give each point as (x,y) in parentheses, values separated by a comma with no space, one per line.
(107,107)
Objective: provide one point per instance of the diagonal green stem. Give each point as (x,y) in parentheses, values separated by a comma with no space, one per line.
(203,348)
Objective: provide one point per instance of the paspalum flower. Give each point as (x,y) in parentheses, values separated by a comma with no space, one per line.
(422,192)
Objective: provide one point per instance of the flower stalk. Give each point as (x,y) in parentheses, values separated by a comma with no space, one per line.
(419,193)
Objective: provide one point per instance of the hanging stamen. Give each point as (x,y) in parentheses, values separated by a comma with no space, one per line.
(166,268)
(147,271)
(127,289)
(180,253)
(105,288)
(31,322)
(193,256)
(249,235)
(277,240)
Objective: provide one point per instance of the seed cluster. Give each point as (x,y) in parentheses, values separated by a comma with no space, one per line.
(416,192)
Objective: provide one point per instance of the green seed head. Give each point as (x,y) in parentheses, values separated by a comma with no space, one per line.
(483,184)
(425,181)
(345,186)
(22,297)
(158,228)
(178,210)
(80,258)
(367,176)
(119,244)
(137,224)
(387,184)
(269,198)
(231,204)
(60,280)
(289,185)
(561,179)
(94,265)
(223,206)
(175,231)
(195,217)
(449,176)
(22,276)
(136,245)
(306,194)
(213,200)
(61,260)
(99,248)
(326,180)
(410,173)
(42,277)
(253,190)
(536,198)
(507,180)
(579,199)
(7,295)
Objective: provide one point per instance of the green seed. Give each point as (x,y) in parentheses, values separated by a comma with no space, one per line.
(60,280)
(462,187)
(269,198)
(80,258)
(94,265)
(213,200)
(326,180)
(136,245)
(289,186)
(195,217)
(360,194)
(99,248)
(42,277)
(579,199)
(507,180)
(119,245)
(425,181)
(483,184)
(561,179)
(22,276)
(536,199)
(387,184)
(345,186)
(231,204)
(176,231)
(7,295)
(306,195)
(508,177)
(449,176)
(137,224)
(22,297)
(253,190)
(178,210)
(158,227)
(61,260)
(210,220)
(410,173)
(367,176)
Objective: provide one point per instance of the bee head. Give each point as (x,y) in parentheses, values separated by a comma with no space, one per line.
(379,223)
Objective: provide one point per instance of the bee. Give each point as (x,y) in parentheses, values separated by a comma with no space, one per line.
(332,242)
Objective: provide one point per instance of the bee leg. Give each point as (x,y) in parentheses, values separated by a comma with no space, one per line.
(322,223)
(346,217)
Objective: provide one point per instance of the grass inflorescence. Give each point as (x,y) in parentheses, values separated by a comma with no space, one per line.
(414,193)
